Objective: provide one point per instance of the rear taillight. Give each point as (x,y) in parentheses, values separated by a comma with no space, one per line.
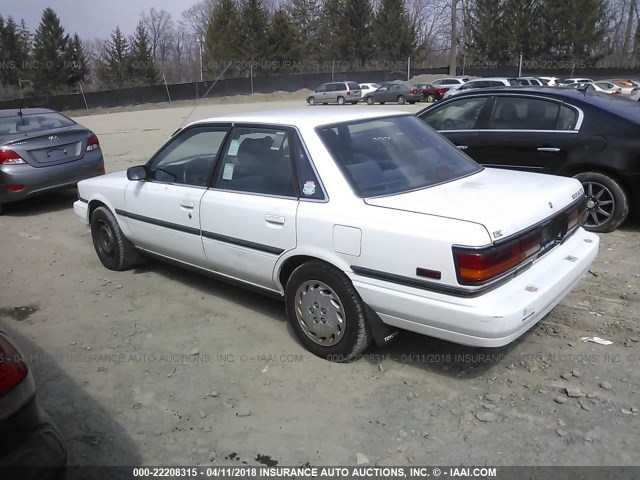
(12,369)
(477,266)
(413,91)
(16,384)
(348,93)
(93,143)
(577,216)
(15,188)
(442,91)
(9,157)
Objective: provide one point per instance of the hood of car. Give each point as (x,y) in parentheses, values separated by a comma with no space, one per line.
(503,201)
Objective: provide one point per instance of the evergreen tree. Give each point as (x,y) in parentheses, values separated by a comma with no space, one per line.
(253,29)
(394,37)
(359,17)
(76,62)
(143,68)
(222,43)
(14,52)
(333,33)
(489,36)
(282,44)
(113,65)
(305,15)
(49,45)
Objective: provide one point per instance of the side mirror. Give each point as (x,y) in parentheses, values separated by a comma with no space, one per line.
(137,173)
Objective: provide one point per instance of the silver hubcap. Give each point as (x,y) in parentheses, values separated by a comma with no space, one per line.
(600,204)
(320,313)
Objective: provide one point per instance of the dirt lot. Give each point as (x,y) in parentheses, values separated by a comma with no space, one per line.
(162,366)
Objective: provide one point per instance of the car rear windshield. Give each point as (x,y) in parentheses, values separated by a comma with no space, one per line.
(32,122)
(353,86)
(390,155)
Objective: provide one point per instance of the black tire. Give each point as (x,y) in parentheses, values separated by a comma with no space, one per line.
(0,209)
(340,100)
(382,103)
(114,250)
(354,334)
(401,100)
(608,203)
(430,98)
(369,101)
(412,102)
(312,100)
(354,103)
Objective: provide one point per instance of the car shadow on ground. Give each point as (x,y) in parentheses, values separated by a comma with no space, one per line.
(94,437)
(42,204)
(412,349)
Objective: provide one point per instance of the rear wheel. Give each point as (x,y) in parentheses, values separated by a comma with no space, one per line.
(326,312)
(607,202)
(370,101)
(340,100)
(312,100)
(401,99)
(113,249)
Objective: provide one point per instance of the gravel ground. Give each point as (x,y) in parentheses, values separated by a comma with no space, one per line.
(162,366)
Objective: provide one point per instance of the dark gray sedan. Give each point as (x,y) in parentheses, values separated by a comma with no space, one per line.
(42,150)
(400,92)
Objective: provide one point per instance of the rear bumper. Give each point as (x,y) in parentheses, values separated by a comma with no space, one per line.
(495,318)
(31,446)
(44,179)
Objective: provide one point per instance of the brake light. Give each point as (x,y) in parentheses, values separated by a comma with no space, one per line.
(442,91)
(477,266)
(348,93)
(9,157)
(577,216)
(15,188)
(12,369)
(413,91)
(92,143)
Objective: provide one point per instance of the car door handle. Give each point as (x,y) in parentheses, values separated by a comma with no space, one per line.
(548,149)
(185,204)
(275,219)
(461,147)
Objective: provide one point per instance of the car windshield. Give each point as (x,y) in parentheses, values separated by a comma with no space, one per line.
(32,122)
(390,155)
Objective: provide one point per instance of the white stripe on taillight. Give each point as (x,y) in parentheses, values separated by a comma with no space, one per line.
(16,383)
(92,143)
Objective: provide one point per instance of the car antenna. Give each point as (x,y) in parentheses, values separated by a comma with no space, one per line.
(204,96)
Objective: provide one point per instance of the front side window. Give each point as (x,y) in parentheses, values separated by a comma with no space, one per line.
(523,113)
(457,115)
(393,155)
(189,158)
(321,88)
(257,160)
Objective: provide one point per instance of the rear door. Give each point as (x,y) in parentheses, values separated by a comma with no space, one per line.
(163,212)
(248,217)
(527,133)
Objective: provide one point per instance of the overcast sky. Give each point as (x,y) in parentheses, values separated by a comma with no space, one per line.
(91,18)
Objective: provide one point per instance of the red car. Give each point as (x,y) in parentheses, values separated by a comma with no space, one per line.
(430,93)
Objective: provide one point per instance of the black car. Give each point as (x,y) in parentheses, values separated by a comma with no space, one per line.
(590,136)
(31,447)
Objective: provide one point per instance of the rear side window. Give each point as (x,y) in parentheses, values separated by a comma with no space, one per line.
(514,82)
(567,118)
(516,113)
(33,122)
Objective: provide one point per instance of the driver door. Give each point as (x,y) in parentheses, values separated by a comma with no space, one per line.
(163,211)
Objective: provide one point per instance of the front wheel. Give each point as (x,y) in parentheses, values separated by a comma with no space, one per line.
(340,100)
(607,202)
(369,101)
(430,98)
(326,312)
(401,100)
(312,100)
(114,250)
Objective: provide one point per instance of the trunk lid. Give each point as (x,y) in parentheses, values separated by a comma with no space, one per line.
(51,147)
(503,201)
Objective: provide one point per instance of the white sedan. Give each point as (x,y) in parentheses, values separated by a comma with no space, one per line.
(362,221)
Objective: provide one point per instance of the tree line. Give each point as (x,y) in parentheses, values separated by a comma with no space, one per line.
(230,37)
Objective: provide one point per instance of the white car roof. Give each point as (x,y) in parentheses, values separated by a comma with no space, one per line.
(304,117)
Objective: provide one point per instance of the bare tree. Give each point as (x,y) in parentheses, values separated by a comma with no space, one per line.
(197,17)
(160,27)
